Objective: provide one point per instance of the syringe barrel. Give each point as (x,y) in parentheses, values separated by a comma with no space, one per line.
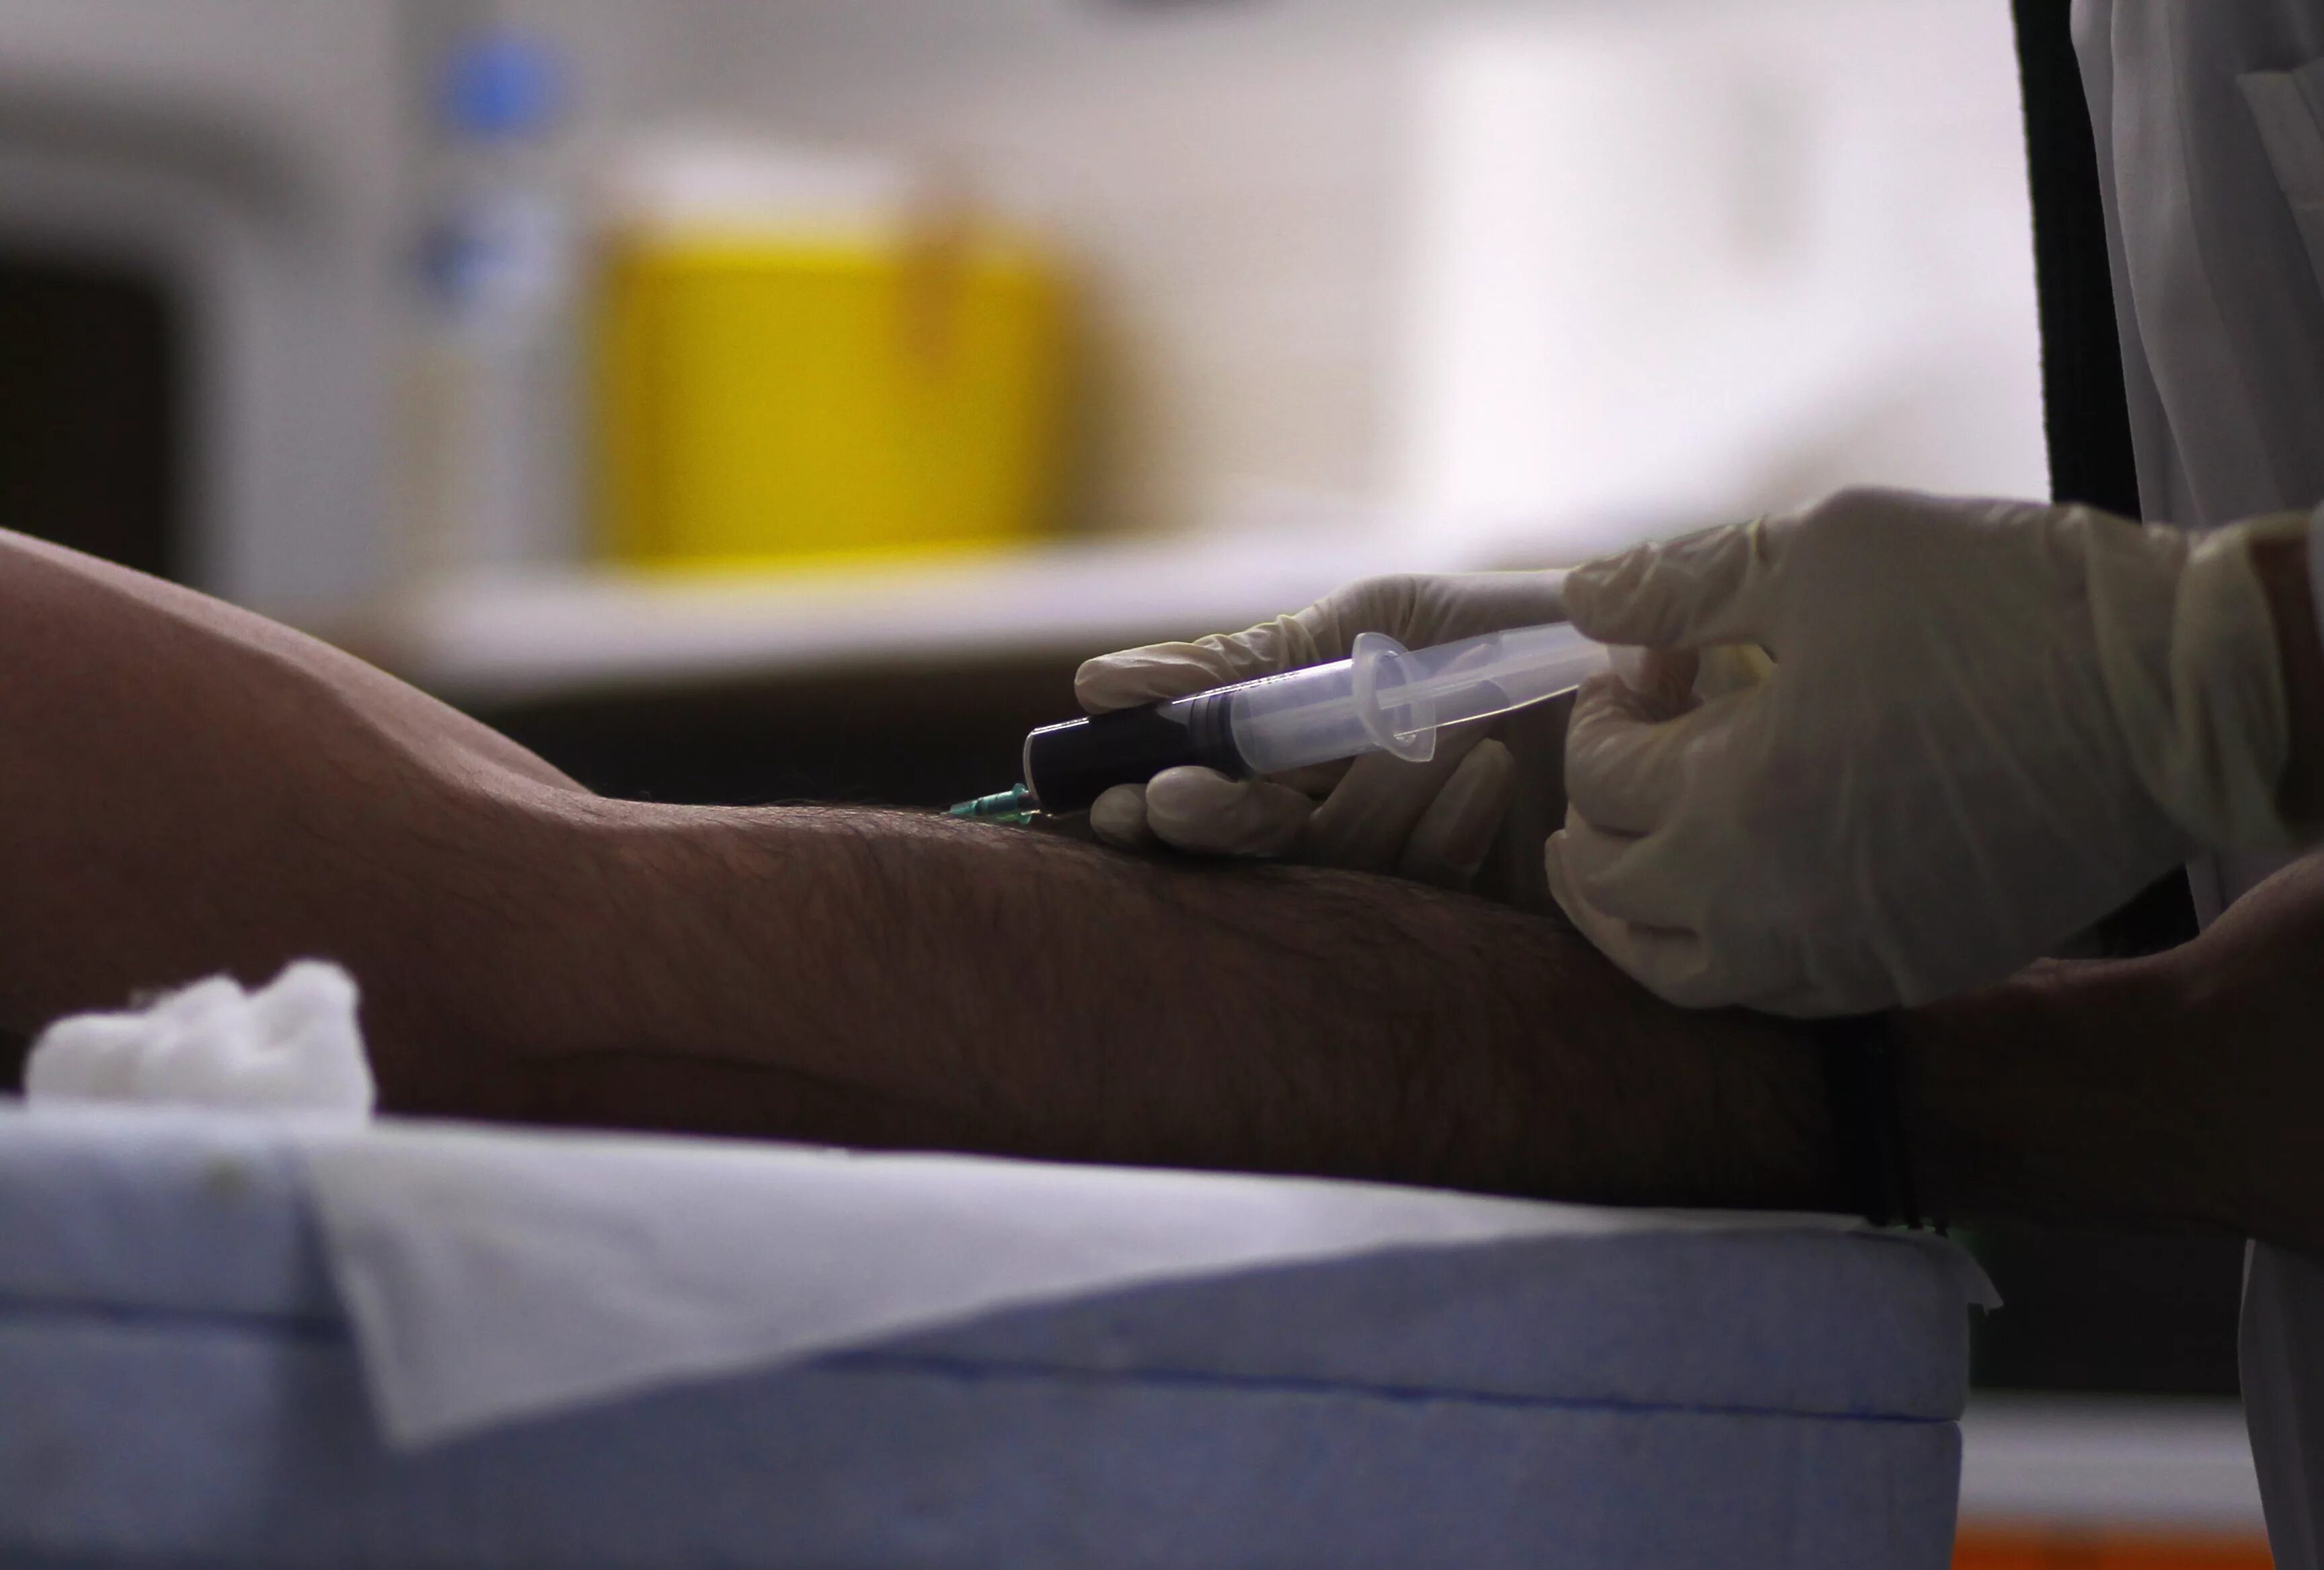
(1387,698)
(1383,698)
(1306,714)
(1069,765)
(1301,717)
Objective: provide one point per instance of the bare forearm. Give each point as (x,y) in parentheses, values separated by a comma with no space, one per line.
(188,789)
(2054,1097)
(2178,1091)
(882,979)
(887,979)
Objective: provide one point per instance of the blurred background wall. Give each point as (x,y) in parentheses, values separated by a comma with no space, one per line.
(1506,281)
(1511,269)
(229,170)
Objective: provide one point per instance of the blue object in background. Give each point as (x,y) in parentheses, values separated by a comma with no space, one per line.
(503,84)
(498,266)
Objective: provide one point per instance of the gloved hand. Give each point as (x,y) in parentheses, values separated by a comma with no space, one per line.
(1474,815)
(1988,723)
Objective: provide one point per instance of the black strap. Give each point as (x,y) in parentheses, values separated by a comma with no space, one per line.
(2085,412)
(1867,1122)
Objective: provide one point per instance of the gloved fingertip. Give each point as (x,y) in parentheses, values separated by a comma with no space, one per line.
(1202,812)
(1094,683)
(1455,833)
(1488,764)
(1601,597)
(1666,964)
(1607,931)
(1118,817)
(1685,591)
(1604,932)
(1632,759)
(1583,585)
(1154,672)
(1133,677)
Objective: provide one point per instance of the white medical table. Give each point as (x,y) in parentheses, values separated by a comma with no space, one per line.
(179,1387)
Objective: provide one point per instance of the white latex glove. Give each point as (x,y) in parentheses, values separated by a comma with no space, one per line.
(1437,822)
(1988,723)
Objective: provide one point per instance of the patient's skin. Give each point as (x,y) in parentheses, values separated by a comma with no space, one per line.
(188,788)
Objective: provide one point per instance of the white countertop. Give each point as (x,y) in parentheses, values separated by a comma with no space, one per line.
(513,638)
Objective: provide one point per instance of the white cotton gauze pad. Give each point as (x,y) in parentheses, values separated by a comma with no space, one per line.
(293,1045)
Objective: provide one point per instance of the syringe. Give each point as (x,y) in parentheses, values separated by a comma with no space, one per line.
(1383,698)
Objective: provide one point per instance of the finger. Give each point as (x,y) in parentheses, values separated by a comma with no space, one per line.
(1692,592)
(1160,670)
(1118,817)
(1460,604)
(1149,674)
(1455,831)
(1629,757)
(1316,780)
(1662,681)
(1593,863)
(1639,901)
(1670,963)
(1645,880)
(1365,821)
(1202,812)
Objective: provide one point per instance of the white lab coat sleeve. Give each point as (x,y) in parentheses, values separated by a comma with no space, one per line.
(2208,120)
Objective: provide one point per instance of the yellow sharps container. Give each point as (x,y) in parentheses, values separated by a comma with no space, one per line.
(765,398)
